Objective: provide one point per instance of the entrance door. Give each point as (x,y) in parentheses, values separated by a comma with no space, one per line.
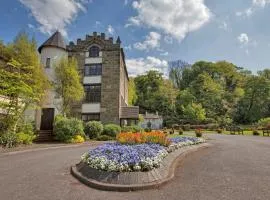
(47,119)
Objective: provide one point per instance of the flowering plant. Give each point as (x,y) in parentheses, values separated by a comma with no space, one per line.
(140,138)
(133,157)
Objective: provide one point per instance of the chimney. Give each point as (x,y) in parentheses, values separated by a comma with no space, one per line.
(102,36)
(95,34)
(79,41)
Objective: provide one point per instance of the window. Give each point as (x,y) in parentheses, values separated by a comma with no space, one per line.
(94,51)
(48,62)
(93,70)
(91,117)
(92,93)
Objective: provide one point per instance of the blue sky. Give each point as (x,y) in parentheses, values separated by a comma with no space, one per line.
(153,32)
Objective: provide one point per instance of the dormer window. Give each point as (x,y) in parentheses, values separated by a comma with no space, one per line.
(94,51)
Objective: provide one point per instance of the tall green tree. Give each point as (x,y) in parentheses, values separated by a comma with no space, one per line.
(132,96)
(22,80)
(67,83)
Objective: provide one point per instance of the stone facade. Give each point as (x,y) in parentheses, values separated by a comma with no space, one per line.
(113,80)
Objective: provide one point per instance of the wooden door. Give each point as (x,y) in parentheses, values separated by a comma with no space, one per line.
(47,118)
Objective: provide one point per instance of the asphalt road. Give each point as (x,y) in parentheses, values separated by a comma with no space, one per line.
(234,168)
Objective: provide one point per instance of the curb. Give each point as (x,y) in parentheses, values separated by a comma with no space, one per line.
(44,148)
(135,187)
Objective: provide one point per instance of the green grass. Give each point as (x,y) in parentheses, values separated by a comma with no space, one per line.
(192,133)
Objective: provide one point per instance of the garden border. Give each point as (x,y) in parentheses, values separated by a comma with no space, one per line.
(128,181)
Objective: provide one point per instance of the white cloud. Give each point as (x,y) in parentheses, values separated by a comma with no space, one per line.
(246,42)
(243,39)
(110,30)
(261,3)
(31,26)
(152,41)
(174,17)
(255,5)
(164,53)
(125,2)
(168,39)
(128,47)
(138,66)
(224,25)
(54,15)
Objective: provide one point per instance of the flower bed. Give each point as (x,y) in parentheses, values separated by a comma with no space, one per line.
(133,157)
(155,137)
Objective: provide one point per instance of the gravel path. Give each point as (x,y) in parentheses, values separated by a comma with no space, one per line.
(234,168)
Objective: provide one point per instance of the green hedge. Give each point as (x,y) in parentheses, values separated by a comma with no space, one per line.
(93,129)
(133,129)
(65,128)
(111,130)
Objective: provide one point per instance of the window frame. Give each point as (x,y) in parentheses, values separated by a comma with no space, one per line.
(94,51)
(89,114)
(98,69)
(92,97)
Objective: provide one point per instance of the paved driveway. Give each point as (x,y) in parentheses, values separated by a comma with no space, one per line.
(236,167)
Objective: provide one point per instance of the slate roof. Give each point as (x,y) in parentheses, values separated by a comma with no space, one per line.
(56,40)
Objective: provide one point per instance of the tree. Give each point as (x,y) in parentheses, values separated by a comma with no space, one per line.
(67,83)
(254,105)
(22,80)
(132,96)
(194,112)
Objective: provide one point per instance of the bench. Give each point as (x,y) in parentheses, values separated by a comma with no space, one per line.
(235,129)
(266,131)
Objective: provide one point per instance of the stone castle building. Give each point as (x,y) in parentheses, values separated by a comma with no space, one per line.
(104,75)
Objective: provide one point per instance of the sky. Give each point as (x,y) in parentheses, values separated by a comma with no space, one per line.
(153,32)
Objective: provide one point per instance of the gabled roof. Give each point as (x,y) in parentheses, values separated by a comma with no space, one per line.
(56,40)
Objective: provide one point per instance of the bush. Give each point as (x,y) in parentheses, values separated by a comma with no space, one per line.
(111,130)
(8,140)
(256,132)
(93,129)
(186,127)
(219,130)
(77,139)
(23,138)
(104,138)
(65,129)
(265,122)
(133,129)
(198,132)
(180,130)
(147,129)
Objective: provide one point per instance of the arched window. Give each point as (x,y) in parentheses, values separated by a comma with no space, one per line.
(94,51)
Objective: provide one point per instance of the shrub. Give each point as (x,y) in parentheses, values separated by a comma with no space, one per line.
(219,130)
(198,132)
(256,132)
(180,130)
(93,129)
(104,138)
(23,138)
(147,129)
(186,127)
(65,129)
(111,130)
(77,139)
(8,140)
(265,122)
(133,129)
